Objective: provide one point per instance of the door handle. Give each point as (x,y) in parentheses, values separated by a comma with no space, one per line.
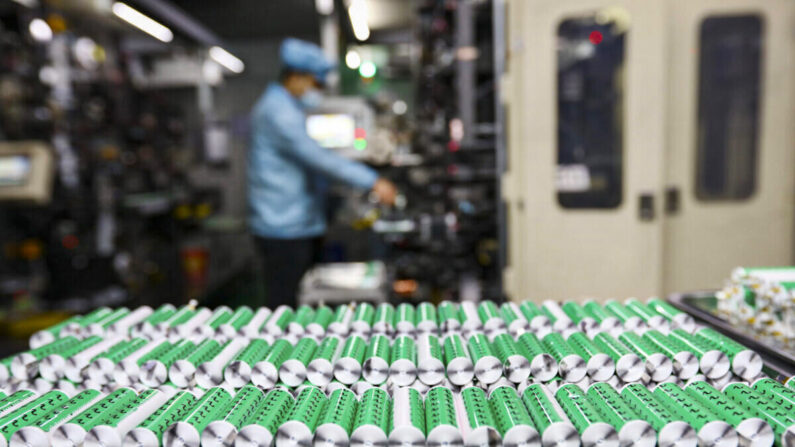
(672,200)
(646,207)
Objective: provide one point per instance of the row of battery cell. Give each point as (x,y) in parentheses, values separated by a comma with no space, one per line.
(756,415)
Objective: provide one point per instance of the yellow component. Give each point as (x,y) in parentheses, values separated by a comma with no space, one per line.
(57,23)
(182,212)
(31,249)
(26,326)
(202,210)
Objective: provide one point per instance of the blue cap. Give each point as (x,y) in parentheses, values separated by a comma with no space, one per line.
(304,56)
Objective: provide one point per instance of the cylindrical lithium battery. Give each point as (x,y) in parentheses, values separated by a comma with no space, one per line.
(182,372)
(407,418)
(572,367)
(599,365)
(238,372)
(440,418)
(360,387)
(458,365)
(657,365)
(303,316)
(629,320)
(261,428)
(514,320)
(299,427)
(16,400)
(112,434)
(711,430)
(512,420)
(488,368)
(348,367)
(652,318)
(490,316)
(775,390)
(447,316)
(279,320)
(629,366)
(265,373)
(594,429)
(677,318)
(753,431)
(340,325)
(371,424)
(430,363)
(75,367)
(293,370)
(405,321)
(560,321)
(49,335)
(186,432)
(684,362)
(148,325)
(549,418)
(149,432)
(744,362)
(73,432)
(126,370)
(426,318)
(37,434)
(101,326)
(607,322)
(778,416)
(577,314)
(632,429)
(220,316)
(178,318)
(210,374)
(101,368)
(516,367)
(375,367)
(468,315)
(52,367)
(403,361)
(317,327)
(671,430)
(712,362)
(240,318)
(543,366)
(222,431)
(362,320)
(122,326)
(384,319)
(336,423)
(539,323)
(320,370)
(475,419)
(25,366)
(154,372)
(76,328)
(252,329)
(29,413)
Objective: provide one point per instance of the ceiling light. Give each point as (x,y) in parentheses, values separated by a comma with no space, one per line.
(227,59)
(324,7)
(352,59)
(40,30)
(367,69)
(28,3)
(142,22)
(357,12)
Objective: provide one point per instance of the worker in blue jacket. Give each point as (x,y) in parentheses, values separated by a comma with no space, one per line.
(287,170)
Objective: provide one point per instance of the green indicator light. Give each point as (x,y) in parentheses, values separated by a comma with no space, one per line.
(360,144)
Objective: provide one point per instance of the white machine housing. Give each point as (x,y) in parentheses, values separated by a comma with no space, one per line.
(26,172)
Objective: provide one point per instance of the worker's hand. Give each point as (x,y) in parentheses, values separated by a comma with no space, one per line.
(386,191)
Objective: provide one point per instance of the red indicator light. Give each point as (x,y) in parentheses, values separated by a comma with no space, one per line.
(595,37)
(70,242)
(359,133)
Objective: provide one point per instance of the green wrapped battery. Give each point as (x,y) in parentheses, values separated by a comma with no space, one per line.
(407,419)
(336,422)
(490,315)
(181,372)
(161,314)
(265,373)
(777,414)
(629,366)
(630,320)
(469,317)
(514,320)
(155,372)
(240,318)
(652,318)
(102,412)
(516,367)
(403,361)
(25,365)
(744,362)
(362,322)
(571,367)
(430,362)
(371,424)
(712,362)
(303,316)
(15,399)
(219,317)
(279,320)
(548,417)
(189,427)
(791,382)
(375,368)
(323,317)
(30,412)
(678,318)
(441,422)
(769,387)
(670,428)
(594,428)
(98,327)
(426,317)
(548,313)
(233,416)
(293,370)
(598,313)
(599,365)
(658,366)
(543,366)
(182,316)
(150,431)
(478,424)
(48,335)
(685,363)
(447,316)
(384,316)
(238,372)
(300,424)
(488,368)
(36,433)
(575,311)
(711,429)
(405,318)
(632,429)
(348,367)
(320,370)
(156,353)
(261,428)
(513,422)
(52,367)
(458,365)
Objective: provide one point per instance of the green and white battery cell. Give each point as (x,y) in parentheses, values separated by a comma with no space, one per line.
(149,432)
(371,424)
(672,431)
(361,386)
(220,316)
(52,367)
(36,433)
(543,366)
(599,365)
(186,432)
(320,370)
(629,367)
(77,365)
(549,418)
(476,422)
(123,325)
(154,372)
(712,431)
(488,368)
(265,373)
(336,423)
(76,328)
(251,329)
(182,372)
(652,318)
(100,370)
(148,325)
(407,423)
(513,422)
(560,321)
(73,432)
(658,366)
(362,321)
(594,428)
(99,327)
(375,368)
(777,414)
(629,319)
(441,422)
(469,317)
(25,366)
(16,400)
(293,370)
(261,428)
(303,316)
(112,433)
(222,431)
(299,427)
(45,336)
(515,321)
(323,317)
(712,362)
(516,367)
(230,328)
(769,387)
(403,361)
(405,319)
(684,362)
(678,319)
(384,319)
(29,413)
(606,321)
(426,318)
(183,323)
(539,323)
(458,365)
(341,323)
(753,431)
(211,373)
(490,316)
(127,369)
(571,367)
(279,320)
(632,429)
(348,366)
(578,315)
(238,372)
(447,316)
(744,362)
(430,362)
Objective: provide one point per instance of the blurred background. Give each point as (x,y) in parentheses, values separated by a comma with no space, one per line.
(539,149)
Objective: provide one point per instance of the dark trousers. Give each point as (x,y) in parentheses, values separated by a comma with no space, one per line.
(285,261)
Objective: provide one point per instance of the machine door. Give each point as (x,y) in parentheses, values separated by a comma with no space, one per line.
(730,195)
(585,125)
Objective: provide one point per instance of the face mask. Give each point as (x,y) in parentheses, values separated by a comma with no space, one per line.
(312,98)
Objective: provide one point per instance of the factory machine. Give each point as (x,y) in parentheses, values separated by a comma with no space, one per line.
(649,143)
